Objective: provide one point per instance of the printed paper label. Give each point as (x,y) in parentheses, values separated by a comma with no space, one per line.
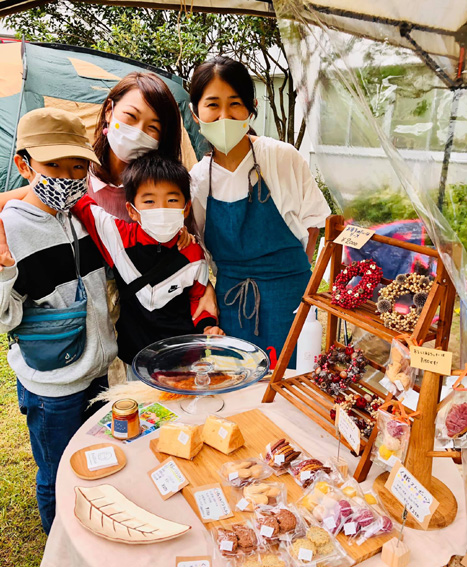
(233,475)
(305,475)
(305,554)
(101,458)
(329,522)
(195,561)
(279,459)
(183,438)
(212,504)
(243,504)
(223,432)
(168,478)
(226,545)
(350,528)
(348,429)
(120,428)
(354,236)
(439,361)
(266,531)
(399,385)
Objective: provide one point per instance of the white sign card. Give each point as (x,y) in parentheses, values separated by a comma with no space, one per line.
(168,478)
(354,236)
(102,458)
(432,359)
(212,503)
(195,561)
(348,429)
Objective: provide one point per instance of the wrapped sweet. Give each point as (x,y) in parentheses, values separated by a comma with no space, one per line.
(392,440)
(451,421)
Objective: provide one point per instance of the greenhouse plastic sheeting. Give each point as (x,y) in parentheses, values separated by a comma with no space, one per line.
(379,119)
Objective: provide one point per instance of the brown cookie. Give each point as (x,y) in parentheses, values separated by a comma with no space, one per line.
(287,520)
(227,535)
(246,537)
(318,536)
(277,444)
(270,522)
(326,548)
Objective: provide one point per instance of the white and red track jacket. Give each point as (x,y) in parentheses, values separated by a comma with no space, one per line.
(169,295)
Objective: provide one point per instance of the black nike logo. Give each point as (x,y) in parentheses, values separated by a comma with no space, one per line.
(173,288)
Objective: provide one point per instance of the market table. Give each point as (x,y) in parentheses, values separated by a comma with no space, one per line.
(71,545)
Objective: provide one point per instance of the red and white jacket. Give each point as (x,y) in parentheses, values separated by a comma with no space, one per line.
(164,306)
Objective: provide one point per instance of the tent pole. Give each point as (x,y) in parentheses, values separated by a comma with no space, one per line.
(18,115)
(448,147)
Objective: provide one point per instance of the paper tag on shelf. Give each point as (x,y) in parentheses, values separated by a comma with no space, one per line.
(183,438)
(350,528)
(279,459)
(305,475)
(305,554)
(212,503)
(329,522)
(233,475)
(434,360)
(354,236)
(411,493)
(101,458)
(222,432)
(242,504)
(399,385)
(348,429)
(226,545)
(386,384)
(168,478)
(266,531)
(195,561)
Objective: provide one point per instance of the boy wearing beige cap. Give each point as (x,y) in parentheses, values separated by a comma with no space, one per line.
(54,275)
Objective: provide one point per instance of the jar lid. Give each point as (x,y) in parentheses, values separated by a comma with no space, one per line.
(124,407)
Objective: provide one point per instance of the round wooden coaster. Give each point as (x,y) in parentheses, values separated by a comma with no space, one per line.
(444,515)
(79,465)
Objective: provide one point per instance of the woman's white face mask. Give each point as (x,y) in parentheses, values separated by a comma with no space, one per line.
(224,134)
(161,224)
(128,142)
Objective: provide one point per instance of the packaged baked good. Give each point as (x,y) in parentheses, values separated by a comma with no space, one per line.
(317,547)
(305,469)
(278,523)
(235,540)
(222,434)
(180,439)
(242,472)
(451,421)
(270,558)
(393,436)
(400,376)
(259,494)
(280,454)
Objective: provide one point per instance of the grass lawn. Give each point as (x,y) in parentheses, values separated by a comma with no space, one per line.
(22,540)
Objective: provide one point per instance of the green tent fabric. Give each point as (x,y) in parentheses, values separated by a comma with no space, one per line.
(76,79)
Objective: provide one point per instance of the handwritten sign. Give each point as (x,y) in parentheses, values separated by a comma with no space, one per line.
(168,478)
(439,361)
(354,236)
(195,561)
(406,488)
(348,429)
(212,503)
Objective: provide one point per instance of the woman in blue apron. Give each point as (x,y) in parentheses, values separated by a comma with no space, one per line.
(257,207)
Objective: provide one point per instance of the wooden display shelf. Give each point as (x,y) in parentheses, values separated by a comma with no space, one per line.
(258,431)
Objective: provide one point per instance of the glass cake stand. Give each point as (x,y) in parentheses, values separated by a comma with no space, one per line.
(201,366)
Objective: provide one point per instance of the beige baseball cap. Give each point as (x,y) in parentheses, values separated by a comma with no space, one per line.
(52,133)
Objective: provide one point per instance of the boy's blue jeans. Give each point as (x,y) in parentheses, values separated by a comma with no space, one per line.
(52,422)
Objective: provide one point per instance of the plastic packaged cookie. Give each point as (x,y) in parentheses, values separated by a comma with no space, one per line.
(270,558)
(280,454)
(259,493)
(278,523)
(451,421)
(243,472)
(400,376)
(305,469)
(235,540)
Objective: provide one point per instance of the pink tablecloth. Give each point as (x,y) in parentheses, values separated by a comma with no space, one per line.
(70,545)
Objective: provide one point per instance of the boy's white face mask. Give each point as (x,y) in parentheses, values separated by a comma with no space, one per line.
(161,224)
(224,134)
(128,142)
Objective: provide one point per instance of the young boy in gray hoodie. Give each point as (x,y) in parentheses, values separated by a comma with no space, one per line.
(53,154)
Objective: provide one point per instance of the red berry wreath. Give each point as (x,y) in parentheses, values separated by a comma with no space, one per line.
(352,297)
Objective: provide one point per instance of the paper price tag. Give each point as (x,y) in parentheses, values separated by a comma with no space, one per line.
(439,361)
(399,385)
(305,475)
(222,433)
(183,438)
(242,504)
(168,478)
(305,554)
(233,475)
(279,459)
(350,528)
(354,236)
(329,522)
(266,531)
(212,503)
(406,488)
(348,429)
(195,561)
(101,458)
(226,545)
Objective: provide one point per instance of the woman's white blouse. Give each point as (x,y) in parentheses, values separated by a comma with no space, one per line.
(293,189)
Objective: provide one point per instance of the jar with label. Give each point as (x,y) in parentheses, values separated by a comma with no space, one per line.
(125,419)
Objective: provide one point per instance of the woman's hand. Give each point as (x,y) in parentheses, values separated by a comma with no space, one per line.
(213,331)
(185,239)
(207,303)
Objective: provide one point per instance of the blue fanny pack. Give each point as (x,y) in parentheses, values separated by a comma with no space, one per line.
(53,338)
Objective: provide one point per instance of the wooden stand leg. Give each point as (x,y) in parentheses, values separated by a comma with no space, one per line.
(420,463)
(395,554)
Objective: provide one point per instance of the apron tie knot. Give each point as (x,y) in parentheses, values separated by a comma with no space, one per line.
(256,169)
(241,296)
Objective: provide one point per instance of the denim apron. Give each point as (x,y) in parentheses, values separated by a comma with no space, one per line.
(262,268)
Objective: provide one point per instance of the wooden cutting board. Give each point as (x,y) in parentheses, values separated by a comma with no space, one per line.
(258,431)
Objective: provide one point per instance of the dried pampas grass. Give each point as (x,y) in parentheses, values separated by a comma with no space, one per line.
(137,391)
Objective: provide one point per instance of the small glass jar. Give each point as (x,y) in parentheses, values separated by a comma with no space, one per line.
(125,419)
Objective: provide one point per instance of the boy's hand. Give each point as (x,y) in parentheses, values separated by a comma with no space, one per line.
(6,259)
(207,303)
(185,239)
(213,331)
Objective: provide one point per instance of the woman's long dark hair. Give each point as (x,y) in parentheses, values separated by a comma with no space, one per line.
(232,72)
(158,96)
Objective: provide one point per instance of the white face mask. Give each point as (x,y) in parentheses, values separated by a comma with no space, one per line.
(128,142)
(224,134)
(161,224)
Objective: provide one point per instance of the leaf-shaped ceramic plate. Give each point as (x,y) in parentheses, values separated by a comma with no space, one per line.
(106,512)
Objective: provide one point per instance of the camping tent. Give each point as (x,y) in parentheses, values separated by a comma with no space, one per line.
(29,80)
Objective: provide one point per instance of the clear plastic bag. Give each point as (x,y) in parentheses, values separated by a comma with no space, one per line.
(278,523)
(400,376)
(259,494)
(234,541)
(451,421)
(243,472)
(280,455)
(392,440)
(275,557)
(305,469)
